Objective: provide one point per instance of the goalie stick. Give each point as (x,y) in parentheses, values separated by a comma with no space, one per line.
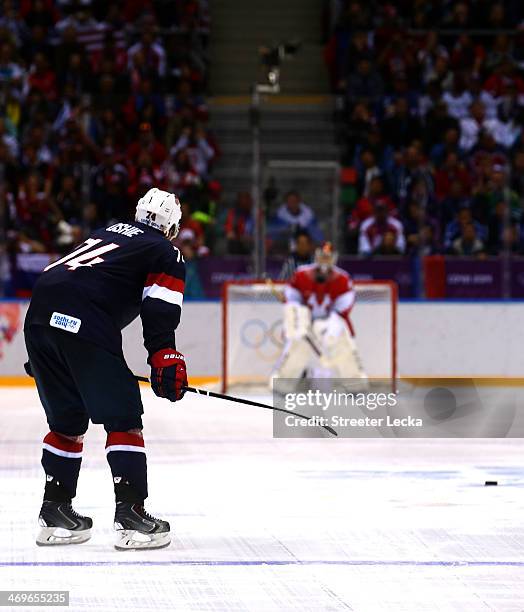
(282,299)
(240,400)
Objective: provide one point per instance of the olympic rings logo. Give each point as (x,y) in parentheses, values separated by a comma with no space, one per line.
(262,336)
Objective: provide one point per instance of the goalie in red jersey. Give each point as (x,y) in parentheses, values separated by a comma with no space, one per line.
(317,326)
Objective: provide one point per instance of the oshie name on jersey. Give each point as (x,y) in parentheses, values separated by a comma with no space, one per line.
(125,229)
(118,273)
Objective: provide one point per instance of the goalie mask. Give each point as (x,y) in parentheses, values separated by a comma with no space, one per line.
(160,210)
(325,260)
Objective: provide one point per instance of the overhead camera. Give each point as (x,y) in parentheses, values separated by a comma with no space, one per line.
(271,58)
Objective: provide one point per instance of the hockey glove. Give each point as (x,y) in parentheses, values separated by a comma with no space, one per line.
(168,374)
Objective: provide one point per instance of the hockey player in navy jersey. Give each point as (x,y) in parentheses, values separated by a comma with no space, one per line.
(73,327)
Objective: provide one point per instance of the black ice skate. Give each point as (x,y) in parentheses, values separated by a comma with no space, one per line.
(60,524)
(136,529)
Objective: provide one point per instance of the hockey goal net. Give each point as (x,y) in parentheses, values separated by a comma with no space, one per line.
(252,334)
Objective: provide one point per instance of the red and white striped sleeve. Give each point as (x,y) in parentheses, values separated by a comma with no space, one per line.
(162,299)
(162,286)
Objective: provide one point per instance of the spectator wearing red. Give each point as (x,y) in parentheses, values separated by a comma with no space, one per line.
(133,9)
(366,205)
(42,78)
(374,229)
(143,175)
(188,14)
(39,11)
(452,170)
(146,143)
(180,174)
(36,217)
(504,80)
(239,225)
(398,59)
(467,55)
(110,52)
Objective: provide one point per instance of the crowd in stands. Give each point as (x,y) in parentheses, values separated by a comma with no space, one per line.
(99,101)
(431,126)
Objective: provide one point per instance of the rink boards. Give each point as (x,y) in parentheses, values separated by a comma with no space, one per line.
(435,339)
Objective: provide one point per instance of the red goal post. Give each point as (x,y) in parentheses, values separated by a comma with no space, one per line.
(252,332)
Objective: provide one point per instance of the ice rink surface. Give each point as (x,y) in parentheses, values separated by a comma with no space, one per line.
(262,524)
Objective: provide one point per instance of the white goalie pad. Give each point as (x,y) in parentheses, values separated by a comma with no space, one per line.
(295,359)
(297,321)
(298,352)
(340,355)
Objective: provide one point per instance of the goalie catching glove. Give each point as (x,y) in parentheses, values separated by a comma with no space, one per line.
(168,374)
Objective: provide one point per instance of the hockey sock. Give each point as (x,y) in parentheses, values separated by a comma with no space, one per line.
(61,459)
(126,456)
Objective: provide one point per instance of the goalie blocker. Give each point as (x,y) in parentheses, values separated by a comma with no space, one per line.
(317,327)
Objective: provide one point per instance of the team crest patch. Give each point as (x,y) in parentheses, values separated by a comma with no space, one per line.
(65,322)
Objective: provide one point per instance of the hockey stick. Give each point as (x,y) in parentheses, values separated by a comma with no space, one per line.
(223,396)
(240,400)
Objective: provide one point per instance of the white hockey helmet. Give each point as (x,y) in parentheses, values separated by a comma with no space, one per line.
(161,210)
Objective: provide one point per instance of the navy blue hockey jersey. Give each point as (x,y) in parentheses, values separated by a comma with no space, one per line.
(119,272)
